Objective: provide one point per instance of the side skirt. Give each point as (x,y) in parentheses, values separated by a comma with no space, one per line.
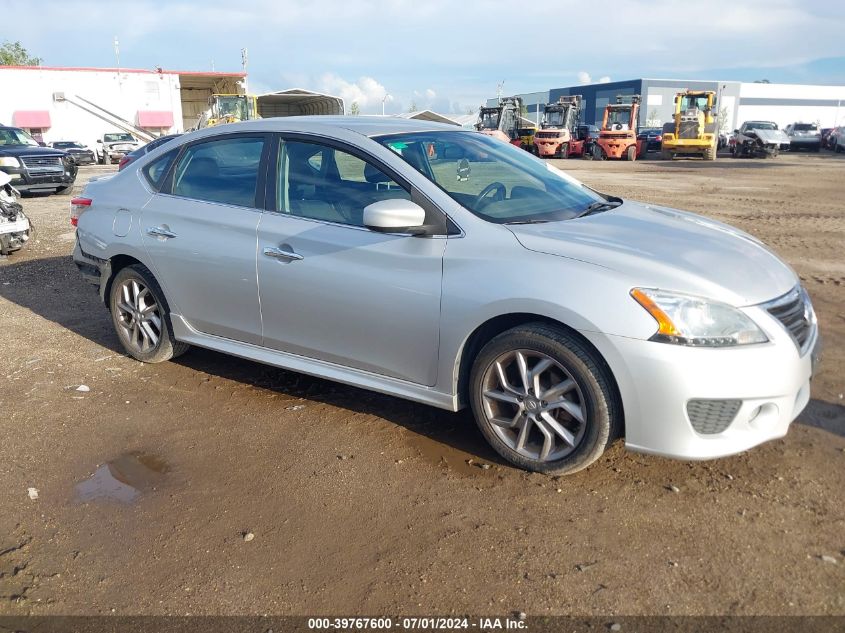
(321,369)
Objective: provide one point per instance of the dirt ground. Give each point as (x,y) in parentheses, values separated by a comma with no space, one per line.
(261,491)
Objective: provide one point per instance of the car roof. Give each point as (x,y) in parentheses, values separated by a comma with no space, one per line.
(362,124)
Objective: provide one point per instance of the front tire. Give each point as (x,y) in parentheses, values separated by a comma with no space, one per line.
(544,400)
(141,317)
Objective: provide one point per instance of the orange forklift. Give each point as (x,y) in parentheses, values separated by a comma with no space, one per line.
(557,136)
(618,136)
(502,121)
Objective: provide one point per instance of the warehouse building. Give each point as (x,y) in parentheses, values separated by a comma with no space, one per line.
(82,104)
(738,101)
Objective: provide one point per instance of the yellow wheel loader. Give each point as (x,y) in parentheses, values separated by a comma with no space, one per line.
(228,108)
(692,131)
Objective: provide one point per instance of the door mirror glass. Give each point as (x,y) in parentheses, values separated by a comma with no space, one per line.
(394,216)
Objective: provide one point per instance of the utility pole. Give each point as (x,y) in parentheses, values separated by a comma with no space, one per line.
(383,99)
(499,91)
(244,65)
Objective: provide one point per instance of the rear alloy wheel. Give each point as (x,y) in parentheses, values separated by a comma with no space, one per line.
(543,400)
(141,318)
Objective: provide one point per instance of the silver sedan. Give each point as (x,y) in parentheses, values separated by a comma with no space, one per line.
(442,266)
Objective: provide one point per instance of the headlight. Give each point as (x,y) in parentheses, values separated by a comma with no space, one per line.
(696,321)
(9,161)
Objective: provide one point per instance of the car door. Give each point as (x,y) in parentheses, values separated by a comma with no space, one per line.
(200,233)
(334,290)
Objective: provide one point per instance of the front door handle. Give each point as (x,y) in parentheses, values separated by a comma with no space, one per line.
(160,231)
(278,253)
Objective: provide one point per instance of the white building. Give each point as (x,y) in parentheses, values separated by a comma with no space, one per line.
(81,104)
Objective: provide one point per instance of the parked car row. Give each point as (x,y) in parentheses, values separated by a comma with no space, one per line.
(36,167)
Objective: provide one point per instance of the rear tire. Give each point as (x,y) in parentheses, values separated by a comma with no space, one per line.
(564,150)
(598,153)
(631,153)
(543,399)
(141,316)
(710,153)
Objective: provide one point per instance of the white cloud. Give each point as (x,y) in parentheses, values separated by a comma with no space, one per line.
(604,80)
(366,92)
(584,77)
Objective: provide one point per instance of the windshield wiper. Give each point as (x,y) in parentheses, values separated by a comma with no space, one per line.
(598,206)
(528,222)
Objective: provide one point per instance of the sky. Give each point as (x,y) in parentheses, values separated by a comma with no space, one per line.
(440,55)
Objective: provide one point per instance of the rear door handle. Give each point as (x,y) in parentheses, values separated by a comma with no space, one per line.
(160,231)
(278,253)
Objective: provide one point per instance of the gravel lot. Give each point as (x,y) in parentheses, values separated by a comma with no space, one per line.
(264,491)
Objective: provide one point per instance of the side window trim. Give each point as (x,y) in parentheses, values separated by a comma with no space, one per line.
(449,228)
(261,180)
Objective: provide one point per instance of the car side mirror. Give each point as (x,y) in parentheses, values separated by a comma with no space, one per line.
(99,140)
(736,131)
(395,216)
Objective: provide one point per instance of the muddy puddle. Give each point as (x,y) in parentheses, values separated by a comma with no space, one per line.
(124,479)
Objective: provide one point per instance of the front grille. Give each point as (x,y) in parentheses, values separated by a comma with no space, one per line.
(688,129)
(794,312)
(547,134)
(709,417)
(614,135)
(43,164)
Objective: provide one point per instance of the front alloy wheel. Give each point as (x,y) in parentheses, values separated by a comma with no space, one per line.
(534,405)
(544,399)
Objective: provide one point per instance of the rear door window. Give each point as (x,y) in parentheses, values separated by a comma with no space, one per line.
(223,170)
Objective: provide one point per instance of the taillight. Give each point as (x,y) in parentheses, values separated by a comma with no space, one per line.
(78,206)
(123,162)
(658,138)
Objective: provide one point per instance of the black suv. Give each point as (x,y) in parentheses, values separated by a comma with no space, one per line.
(35,169)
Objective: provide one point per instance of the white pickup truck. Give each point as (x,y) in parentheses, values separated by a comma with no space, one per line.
(114,146)
(759,138)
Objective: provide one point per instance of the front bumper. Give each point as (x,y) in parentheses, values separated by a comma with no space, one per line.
(24,181)
(86,158)
(658,380)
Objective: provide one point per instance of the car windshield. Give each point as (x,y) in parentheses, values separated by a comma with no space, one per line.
(12,136)
(67,145)
(762,125)
(805,127)
(111,138)
(494,180)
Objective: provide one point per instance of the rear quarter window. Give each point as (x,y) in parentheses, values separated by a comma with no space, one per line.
(156,171)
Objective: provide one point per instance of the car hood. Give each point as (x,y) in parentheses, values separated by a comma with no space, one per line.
(669,249)
(29,150)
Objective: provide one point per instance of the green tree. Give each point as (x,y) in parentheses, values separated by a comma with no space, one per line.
(14,54)
(354,110)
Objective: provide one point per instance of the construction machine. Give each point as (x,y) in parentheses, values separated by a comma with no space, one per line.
(502,121)
(557,135)
(228,108)
(618,135)
(692,131)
